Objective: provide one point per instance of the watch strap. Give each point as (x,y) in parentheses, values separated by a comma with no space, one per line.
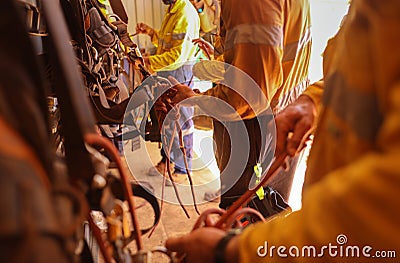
(221,245)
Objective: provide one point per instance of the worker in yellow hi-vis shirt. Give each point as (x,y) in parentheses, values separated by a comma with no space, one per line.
(351,202)
(175,56)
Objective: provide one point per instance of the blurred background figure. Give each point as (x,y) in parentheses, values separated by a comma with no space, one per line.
(174,56)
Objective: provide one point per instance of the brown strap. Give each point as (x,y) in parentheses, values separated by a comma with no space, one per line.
(122,29)
(119,9)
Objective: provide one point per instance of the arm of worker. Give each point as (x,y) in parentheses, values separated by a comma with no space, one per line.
(297,120)
(183,92)
(247,89)
(356,200)
(248,84)
(142,28)
(200,246)
(188,97)
(255,72)
(205,46)
(314,92)
(168,58)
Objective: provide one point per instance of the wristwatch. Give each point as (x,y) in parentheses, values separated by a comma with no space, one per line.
(222,244)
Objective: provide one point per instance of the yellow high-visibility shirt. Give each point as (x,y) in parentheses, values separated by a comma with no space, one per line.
(173,41)
(351,201)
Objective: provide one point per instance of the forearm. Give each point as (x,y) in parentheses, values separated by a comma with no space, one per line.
(164,60)
(340,204)
(234,104)
(315,91)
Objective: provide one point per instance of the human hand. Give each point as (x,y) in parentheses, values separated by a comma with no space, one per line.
(293,124)
(198,4)
(162,106)
(199,245)
(142,28)
(205,46)
(182,92)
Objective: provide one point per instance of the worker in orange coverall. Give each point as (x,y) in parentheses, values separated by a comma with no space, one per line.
(350,198)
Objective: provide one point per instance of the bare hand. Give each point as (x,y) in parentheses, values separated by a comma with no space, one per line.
(142,28)
(198,246)
(161,106)
(182,92)
(205,46)
(293,124)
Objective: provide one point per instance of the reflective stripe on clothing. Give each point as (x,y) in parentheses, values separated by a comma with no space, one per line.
(258,34)
(180,36)
(358,108)
(164,43)
(173,41)
(290,50)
